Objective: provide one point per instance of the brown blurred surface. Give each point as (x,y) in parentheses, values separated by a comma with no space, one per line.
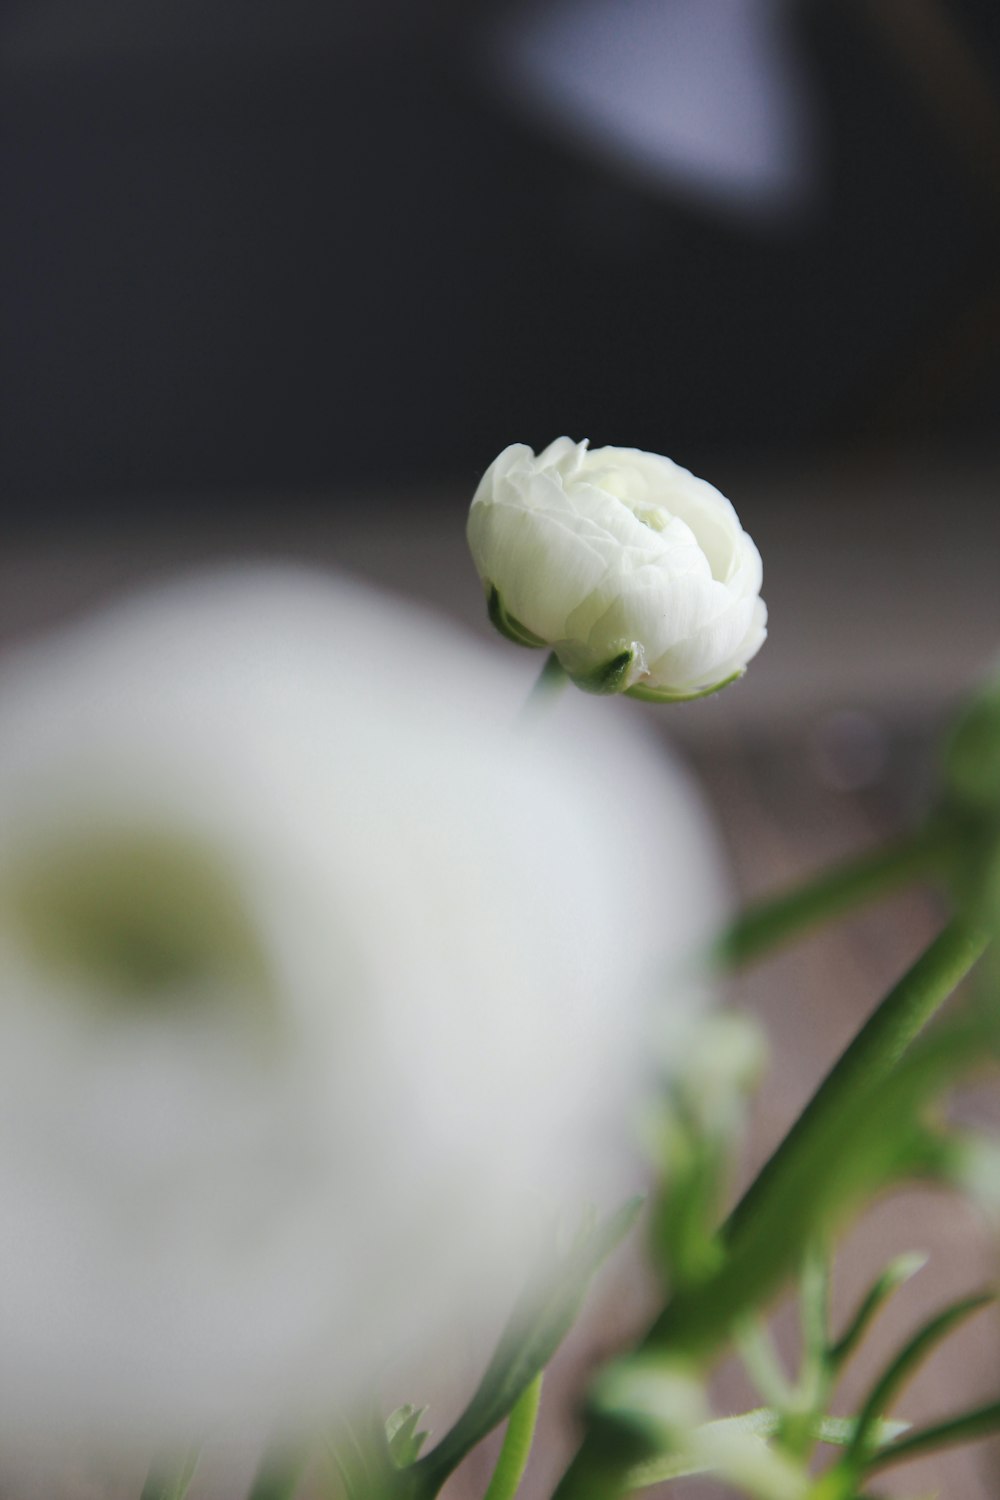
(884,606)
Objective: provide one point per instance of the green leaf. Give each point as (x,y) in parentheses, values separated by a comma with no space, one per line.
(896,1274)
(683,1222)
(840,1431)
(692,1138)
(516,1447)
(507,625)
(763,1422)
(860,1133)
(770,923)
(814,1311)
(733,1448)
(966,1428)
(358,1447)
(904,1366)
(534,1332)
(761,1362)
(405,1442)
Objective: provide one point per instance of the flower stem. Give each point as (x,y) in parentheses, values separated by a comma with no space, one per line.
(882,1040)
(547,686)
(776,920)
(516,1444)
(700,1318)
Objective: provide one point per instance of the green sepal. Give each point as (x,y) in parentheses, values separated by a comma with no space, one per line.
(512,629)
(405,1442)
(663,695)
(608,678)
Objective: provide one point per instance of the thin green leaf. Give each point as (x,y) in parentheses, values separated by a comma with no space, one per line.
(537,1327)
(358,1447)
(761,1361)
(763,1422)
(733,1448)
(962,1429)
(833,1160)
(896,1274)
(840,1431)
(814,1302)
(516,1447)
(904,1365)
(872,1058)
(171,1481)
(775,921)
(405,1442)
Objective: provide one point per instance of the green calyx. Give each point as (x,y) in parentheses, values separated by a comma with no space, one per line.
(666,695)
(610,677)
(507,625)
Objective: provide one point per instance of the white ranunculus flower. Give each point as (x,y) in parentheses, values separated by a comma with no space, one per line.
(636,573)
(318,987)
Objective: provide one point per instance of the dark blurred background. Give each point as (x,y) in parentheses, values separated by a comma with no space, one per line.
(252,248)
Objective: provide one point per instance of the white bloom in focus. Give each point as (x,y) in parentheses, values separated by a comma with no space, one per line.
(319,986)
(636,573)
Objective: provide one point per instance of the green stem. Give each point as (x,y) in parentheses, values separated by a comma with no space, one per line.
(547,686)
(516,1445)
(775,921)
(883,1039)
(608,1451)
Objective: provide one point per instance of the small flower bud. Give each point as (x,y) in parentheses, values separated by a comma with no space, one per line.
(636,573)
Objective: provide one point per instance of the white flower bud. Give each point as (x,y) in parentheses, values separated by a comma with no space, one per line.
(636,573)
(319,986)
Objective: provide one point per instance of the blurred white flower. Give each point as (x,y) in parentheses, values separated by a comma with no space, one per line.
(636,573)
(317,985)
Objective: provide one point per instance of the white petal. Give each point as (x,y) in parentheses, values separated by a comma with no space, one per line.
(700,660)
(541,567)
(206,1221)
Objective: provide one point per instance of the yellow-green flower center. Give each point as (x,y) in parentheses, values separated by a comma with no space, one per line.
(134,917)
